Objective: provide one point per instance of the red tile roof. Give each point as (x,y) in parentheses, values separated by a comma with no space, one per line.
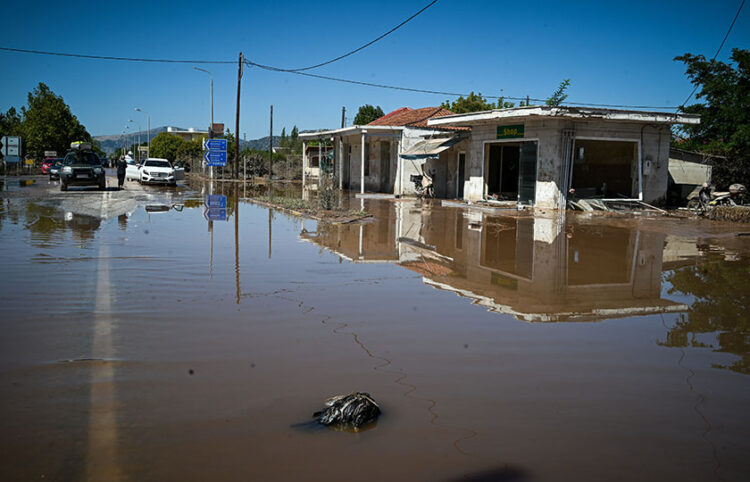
(408,117)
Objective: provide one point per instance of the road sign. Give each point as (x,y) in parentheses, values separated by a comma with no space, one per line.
(215,214)
(215,145)
(215,158)
(11,146)
(216,201)
(217,129)
(50,153)
(12,159)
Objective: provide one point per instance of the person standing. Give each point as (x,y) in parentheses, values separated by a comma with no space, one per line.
(121,167)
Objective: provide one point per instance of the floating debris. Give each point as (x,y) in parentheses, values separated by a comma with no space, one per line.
(355,410)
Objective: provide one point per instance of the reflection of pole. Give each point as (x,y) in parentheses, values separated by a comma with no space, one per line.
(270,217)
(270,150)
(237,241)
(211,251)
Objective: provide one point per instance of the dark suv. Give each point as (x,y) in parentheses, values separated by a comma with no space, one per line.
(82,168)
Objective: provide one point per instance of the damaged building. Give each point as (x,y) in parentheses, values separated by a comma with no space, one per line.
(535,155)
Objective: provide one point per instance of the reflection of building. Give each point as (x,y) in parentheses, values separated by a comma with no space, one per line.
(529,268)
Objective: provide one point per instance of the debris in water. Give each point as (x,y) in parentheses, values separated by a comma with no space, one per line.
(737,214)
(356,410)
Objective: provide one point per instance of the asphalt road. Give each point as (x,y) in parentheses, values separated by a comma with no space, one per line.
(89,201)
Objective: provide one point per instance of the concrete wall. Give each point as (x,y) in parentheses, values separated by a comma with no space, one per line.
(548,132)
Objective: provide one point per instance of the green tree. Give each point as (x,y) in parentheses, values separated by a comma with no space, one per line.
(721,303)
(367,114)
(471,103)
(10,123)
(724,107)
(48,123)
(559,95)
(282,141)
(165,145)
(190,150)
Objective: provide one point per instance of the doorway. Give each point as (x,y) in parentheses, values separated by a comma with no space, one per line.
(461,173)
(502,171)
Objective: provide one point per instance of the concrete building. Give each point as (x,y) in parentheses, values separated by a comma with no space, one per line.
(187,135)
(687,173)
(380,156)
(534,155)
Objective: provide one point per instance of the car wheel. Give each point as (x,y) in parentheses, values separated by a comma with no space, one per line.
(103,186)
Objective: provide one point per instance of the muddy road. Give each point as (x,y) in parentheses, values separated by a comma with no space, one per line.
(141,341)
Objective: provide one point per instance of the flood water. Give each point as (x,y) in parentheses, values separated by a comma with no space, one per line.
(152,344)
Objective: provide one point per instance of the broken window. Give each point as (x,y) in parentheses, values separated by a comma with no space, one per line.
(605,169)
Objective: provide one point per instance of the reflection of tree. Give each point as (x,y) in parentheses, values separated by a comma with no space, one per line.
(722,301)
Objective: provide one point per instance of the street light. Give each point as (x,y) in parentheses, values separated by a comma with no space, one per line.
(210,127)
(138,152)
(138,109)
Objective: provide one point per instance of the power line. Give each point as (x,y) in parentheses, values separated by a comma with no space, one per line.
(121,59)
(308,74)
(438,92)
(357,49)
(719,49)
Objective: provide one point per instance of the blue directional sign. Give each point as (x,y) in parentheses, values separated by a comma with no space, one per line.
(215,158)
(216,214)
(216,201)
(215,145)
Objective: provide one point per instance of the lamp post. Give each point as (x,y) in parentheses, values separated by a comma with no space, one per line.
(148,115)
(138,149)
(211,126)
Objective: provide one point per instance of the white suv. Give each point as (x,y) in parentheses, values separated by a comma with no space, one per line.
(159,171)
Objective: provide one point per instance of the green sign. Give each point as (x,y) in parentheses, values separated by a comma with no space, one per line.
(510,132)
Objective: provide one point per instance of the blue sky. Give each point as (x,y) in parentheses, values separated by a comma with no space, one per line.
(614,52)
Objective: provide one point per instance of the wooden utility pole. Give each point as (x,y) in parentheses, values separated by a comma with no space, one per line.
(343,117)
(237,123)
(270,149)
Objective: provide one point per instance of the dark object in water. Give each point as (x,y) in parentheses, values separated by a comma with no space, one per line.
(356,410)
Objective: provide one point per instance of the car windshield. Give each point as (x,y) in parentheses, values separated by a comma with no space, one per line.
(157,164)
(82,158)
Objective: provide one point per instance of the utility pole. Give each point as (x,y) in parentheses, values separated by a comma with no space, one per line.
(237,123)
(270,149)
(343,117)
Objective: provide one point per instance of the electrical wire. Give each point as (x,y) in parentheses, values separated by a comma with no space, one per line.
(717,51)
(438,92)
(317,76)
(357,49)
(121,59)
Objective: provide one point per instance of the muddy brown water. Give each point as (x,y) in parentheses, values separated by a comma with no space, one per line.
(154,345)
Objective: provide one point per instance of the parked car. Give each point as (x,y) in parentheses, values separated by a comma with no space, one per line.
(81,167)
(159,171)
(54,170)
(49,162)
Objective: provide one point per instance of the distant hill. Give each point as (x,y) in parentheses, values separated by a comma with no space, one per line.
(110,143)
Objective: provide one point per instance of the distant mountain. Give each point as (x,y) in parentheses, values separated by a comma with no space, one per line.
(260,144)
(110,143)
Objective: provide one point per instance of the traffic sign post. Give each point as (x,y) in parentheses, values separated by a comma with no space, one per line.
(215,207)
(216,201)
(215,153)
(10,146)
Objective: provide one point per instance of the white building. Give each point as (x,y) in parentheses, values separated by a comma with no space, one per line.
(534,155)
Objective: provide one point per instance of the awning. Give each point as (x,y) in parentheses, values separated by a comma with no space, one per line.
(685,172)
(430,147)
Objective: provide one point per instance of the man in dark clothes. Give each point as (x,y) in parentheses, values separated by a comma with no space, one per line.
(121,167)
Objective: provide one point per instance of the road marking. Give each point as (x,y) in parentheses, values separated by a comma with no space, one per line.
(102,460)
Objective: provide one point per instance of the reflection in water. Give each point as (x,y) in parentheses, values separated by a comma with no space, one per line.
(722,300)
(540,271)
(525,267)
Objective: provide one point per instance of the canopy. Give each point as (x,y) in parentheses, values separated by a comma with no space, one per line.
(430,147)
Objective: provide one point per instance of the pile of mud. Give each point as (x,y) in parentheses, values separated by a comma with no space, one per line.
(737,214)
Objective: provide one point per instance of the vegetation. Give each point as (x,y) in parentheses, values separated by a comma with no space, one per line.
(165,145)
(367,114)
(724,107)
(45,124)
(559,95)
(720,291)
